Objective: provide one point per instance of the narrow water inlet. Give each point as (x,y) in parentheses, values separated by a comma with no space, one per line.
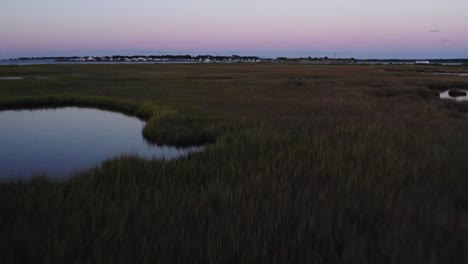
(63,141)
(461,98)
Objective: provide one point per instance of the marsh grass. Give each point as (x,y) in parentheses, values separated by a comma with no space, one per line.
(315,164)
(444,86)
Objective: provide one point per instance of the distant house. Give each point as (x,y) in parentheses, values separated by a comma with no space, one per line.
(423,62)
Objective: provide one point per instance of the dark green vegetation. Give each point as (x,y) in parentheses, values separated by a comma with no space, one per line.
(318,164)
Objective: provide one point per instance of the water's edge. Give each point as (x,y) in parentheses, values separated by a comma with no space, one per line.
(18,150)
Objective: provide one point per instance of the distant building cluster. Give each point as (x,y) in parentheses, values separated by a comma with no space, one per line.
(153,59)
(233,59)
(190,59)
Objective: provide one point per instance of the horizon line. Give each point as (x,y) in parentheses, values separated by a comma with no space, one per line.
(232,55)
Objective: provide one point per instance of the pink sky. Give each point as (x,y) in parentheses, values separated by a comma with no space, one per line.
(349,27)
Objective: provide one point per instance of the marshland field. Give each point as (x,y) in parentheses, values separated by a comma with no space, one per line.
(302,164)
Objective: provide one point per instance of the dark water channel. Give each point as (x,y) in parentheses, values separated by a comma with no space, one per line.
(63,141)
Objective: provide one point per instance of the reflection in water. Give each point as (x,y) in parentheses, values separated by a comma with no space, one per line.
(60,142)
(446,95)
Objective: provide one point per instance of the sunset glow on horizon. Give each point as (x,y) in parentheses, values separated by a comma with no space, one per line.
(431,28)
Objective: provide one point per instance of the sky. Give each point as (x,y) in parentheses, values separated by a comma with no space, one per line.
(270,28)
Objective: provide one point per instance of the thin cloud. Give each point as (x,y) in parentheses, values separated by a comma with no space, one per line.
(434,31)
(445,40)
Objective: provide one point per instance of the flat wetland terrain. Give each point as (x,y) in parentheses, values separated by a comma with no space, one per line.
(304,163)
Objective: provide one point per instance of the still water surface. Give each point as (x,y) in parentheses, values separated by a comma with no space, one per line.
(446,95)
(63,141)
